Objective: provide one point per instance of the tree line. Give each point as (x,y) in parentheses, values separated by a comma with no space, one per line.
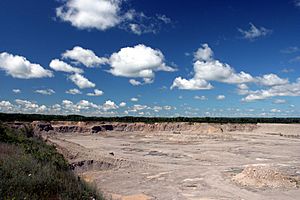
(130,119)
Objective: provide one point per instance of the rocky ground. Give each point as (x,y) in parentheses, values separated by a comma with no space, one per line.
(181,160)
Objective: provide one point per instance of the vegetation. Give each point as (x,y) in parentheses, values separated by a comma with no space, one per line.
(31,169)
(129,119)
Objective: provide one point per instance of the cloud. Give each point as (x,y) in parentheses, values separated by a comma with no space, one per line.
(89,108)
(243,86)
(134,82)
(27,104)
(137,108)
(296,59)
(274,110)
(6,106)
(164,18)
(106,14)
(20,67)
(81,106)
(138,23)
(191,84)
(139,61)
(289,89)
(157,108)
(16,91)
(167,107)
(96,93)
(290,50)
(29,107)
(109,105)
(134,99)
(73,91)
(84,56)
(81,81)
(271,80)
(202,98)
(206,68)
(135,28)
(23,106)
(279,101)
(58,65)
(204,54)
(220,97)
(45,92)
(254,32)
(88,14)
(122,104)
(286,70)
(216,71)
(297,3)
(242,89)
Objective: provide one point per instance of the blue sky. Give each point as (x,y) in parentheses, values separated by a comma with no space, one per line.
(150,58)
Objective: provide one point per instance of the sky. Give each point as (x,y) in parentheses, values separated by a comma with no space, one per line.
(150,58)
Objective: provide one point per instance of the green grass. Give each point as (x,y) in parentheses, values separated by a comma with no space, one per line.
(31,169)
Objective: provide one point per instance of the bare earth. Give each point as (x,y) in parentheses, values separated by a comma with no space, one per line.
(263,163)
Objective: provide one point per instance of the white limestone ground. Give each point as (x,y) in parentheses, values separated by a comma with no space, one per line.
(255,163)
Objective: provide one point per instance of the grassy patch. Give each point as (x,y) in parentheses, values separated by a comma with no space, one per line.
(31,169)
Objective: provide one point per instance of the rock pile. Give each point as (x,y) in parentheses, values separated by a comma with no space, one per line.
(264,177)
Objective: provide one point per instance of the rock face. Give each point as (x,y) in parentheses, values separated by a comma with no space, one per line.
(64,127)
(98,127)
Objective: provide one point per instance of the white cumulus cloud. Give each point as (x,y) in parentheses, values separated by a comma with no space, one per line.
(61,66)
(274,110)
(202,98)
(220,97)
(289,89)
(6,106)
(191,84)
(84,56)
(81,81)
(204,54)
(45,91)
(109,105)
(19,67)
(134,99)
(106,14)
(73,91)
(17,91)
(206,68)
(134,82)
(271,80)
(139,61)
(96,93)
(122,104)
(88,14)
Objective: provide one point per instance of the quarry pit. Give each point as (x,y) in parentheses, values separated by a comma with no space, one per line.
(184,161)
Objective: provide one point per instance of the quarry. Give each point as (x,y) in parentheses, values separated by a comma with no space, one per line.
(180,161)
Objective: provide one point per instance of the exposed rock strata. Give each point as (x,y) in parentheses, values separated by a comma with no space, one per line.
(98,127)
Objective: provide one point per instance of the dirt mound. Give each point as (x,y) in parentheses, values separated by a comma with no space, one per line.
(264,177)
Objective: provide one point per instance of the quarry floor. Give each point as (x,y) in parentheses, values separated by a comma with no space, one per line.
(192,166)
